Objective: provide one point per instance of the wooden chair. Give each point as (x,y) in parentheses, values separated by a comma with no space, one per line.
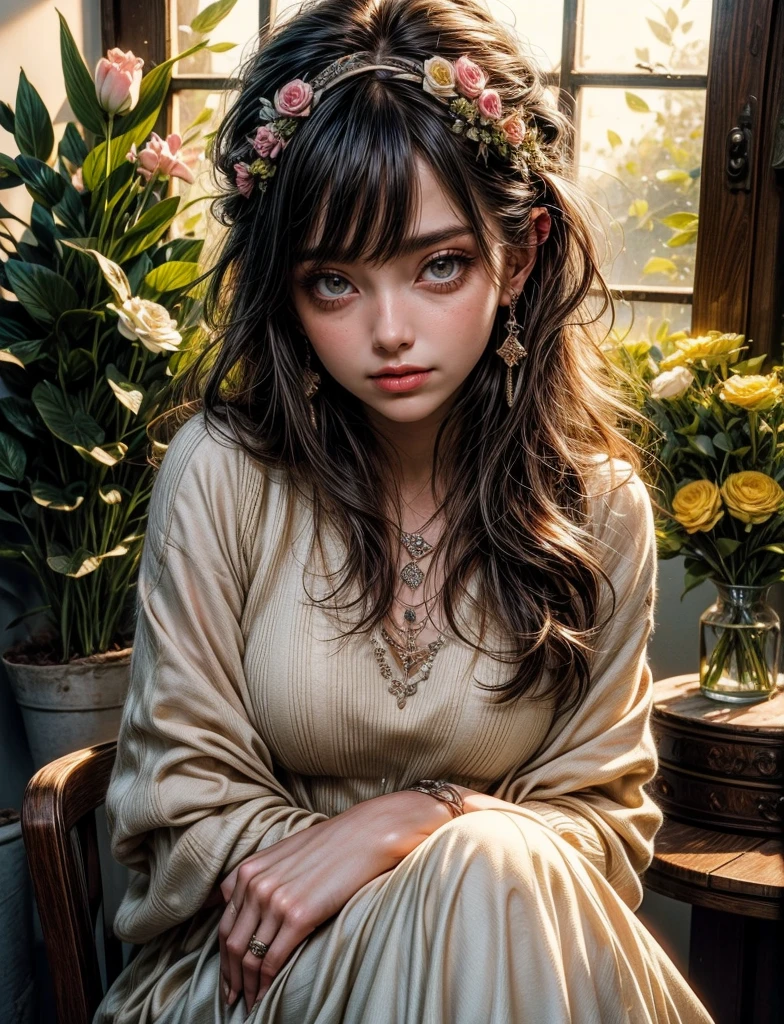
(61,840)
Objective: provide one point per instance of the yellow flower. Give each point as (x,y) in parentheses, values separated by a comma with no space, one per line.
(751,496)
(697,506)
(713,347)
(754,391)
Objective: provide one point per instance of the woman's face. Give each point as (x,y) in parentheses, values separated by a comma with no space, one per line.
(433,309)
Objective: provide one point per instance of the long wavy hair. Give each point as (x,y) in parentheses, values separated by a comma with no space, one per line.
(515,479)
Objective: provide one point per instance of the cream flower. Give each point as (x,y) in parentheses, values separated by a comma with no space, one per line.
(439,77)
(149,322)
(672,383)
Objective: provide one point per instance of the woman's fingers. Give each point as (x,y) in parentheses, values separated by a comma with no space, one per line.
(259,973)
(244,925)
(224,930)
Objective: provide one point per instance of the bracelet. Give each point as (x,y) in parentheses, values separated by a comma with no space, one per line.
(443,791)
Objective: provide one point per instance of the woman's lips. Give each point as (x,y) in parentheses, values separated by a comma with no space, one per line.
(406,382)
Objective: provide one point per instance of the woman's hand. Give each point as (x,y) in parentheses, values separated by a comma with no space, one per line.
(286,891)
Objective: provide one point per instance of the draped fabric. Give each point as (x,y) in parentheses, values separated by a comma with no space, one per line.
(246,722)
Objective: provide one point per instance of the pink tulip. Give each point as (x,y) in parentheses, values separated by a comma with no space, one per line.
(118,78)
(159,155)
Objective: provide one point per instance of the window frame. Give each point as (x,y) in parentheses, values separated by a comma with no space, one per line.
(736,287)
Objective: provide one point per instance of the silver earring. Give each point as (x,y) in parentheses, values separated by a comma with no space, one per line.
(311,381)
(512,351)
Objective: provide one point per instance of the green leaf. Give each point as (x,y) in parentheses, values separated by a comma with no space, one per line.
(680,221)
(220,47)
(59,499)
(21,352)
(169,277)
(18,412)
(614,138)
(72,146)
(128,394)
(727,546)
(33,132)
(65,419)
(113,494)
(693,581)
(8,176)
(681,238)
(108,455)
(147,230)
(661,32)
(6,117)
(659,265)
(79,84)
(638,208)
(746,366)
(673,176)
(636,103)
(45,185)
(212,15)
(82,562)
(113,273)
(42,292)
(777,549)
(722,442)
(12,458)
(671,18)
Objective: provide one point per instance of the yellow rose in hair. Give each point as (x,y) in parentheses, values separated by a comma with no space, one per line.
(751,496)
(697,506)
(439,77)
(754,391)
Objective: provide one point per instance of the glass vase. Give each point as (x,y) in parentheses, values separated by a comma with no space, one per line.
(740,645)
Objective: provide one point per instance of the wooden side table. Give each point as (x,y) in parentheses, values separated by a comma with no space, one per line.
(720,779)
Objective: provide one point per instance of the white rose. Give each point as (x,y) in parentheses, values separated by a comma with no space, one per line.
(439,77)
(672,383)
(149,322)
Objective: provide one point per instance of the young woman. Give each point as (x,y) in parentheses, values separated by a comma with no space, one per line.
(384,750)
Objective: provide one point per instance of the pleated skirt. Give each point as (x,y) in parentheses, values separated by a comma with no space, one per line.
(493,919)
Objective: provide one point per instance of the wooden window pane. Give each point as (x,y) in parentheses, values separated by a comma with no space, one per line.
(538,24)
(642,166)
(617,34)
(240,26)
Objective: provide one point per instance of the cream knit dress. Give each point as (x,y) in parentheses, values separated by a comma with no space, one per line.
(245,724)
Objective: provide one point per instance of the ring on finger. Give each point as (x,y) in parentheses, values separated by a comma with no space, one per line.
(258,948)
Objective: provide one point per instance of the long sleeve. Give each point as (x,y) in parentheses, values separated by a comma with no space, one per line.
(586,779)
(193,791)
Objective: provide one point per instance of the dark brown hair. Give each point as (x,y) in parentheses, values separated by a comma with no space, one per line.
(514,503)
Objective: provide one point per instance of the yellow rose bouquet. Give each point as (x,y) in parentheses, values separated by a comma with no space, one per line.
(718,464)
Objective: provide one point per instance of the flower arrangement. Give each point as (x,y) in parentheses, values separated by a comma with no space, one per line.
(462,85)
(719,467)
(104,311)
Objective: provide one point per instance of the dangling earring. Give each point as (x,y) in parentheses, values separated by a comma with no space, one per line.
(311,382)
(511,351)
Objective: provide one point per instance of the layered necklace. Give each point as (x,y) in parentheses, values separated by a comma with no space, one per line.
(415,660)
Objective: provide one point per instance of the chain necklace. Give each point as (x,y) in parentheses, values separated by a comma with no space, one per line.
(413,658)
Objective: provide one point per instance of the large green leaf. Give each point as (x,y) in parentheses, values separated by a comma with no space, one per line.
(113,273)
(127,392)
(42,292)
(81,562)
(147,230)
(72,146)
(64,418)
(79,84)
(59,499)
(45,185)
(9,177)
(33,132)
(12,458)
(19,413)
(208,19)
(168,278)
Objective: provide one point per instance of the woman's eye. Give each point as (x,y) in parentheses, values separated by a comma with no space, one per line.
(444,268)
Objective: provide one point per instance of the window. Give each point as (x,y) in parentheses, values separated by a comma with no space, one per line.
(654,92)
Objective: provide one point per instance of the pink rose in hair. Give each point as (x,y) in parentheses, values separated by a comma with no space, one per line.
(244,179)
(293,99)
(267,142)
(469,77)
(489,104)
(515,129)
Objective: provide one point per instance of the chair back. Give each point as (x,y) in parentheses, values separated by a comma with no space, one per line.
(61,841)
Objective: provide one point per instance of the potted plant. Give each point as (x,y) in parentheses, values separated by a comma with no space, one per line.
(718,470)
(103,311)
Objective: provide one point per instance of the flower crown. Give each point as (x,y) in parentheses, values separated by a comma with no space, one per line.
(462,86)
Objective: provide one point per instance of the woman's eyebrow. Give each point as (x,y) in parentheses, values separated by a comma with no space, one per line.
(413,244)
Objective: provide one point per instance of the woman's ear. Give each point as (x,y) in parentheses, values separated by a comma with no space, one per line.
(521,263)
